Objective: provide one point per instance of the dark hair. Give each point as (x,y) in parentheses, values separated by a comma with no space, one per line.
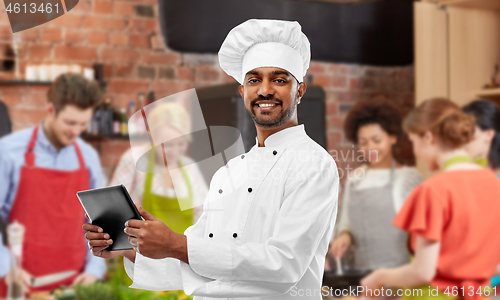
(487,114)
(443,118)
(74,89)
(374,111)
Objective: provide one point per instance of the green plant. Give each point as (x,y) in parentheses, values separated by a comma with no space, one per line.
(96,291)
(115,287)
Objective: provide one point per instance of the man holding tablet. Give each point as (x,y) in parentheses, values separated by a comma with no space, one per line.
(269,236)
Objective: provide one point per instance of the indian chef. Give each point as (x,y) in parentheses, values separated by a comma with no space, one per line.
(41,169)
(269,213)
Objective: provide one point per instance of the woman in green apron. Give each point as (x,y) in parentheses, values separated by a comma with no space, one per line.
(167,185)
(450,217)
(165,207)
(154,189)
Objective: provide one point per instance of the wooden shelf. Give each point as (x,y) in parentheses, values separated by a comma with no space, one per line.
(493,93)
(86,136)
(102,84)
(481,4)
(104,137)
(22,82)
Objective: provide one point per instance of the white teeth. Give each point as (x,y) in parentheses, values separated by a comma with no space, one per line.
(266,105)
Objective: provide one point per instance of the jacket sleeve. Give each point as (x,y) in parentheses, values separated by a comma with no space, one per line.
(305,220)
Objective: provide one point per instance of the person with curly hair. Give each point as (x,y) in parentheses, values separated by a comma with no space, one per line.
(372,200)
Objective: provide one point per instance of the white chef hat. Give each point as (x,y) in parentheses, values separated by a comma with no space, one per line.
(265,43)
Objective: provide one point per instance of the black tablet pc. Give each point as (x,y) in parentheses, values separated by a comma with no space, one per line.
(109,208)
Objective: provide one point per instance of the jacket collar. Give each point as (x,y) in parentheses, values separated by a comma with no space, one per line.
(282,137)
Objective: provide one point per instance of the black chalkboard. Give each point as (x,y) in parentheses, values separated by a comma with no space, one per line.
(374,33)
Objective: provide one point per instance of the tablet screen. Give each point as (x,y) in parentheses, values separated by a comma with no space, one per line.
(109,208)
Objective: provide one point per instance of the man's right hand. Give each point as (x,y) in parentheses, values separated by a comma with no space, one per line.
(340,244)
(100,241)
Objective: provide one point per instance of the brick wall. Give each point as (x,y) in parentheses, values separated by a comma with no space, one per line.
(125,37)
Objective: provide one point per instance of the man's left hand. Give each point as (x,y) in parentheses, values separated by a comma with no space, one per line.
(151,238)
(84,279)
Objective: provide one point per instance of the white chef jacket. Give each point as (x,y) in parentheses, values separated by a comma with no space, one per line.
(264,230)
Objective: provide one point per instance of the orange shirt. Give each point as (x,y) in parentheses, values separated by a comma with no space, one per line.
(461,210)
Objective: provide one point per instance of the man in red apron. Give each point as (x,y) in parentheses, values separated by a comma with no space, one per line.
(41,169)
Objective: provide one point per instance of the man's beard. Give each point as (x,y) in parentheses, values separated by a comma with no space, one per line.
(277,121)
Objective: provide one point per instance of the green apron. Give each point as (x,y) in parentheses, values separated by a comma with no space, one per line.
(425,292)
(166,208)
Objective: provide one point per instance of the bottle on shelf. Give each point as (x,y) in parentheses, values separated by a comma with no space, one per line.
(95,125)
(123,119)
(130,109)
(132,127)
(151,97)
(106,119)
(96,121)
(116,121)
(88,130)
(141,100)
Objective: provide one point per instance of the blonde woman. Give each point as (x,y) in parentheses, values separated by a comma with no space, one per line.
(155,190)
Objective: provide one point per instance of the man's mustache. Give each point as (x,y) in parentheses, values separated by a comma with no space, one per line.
(261,98)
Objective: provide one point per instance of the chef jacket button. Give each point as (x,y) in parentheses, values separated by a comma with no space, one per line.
(220,191)
(243,156)
(275,152)
(235,235)
(249,190)
(210,235)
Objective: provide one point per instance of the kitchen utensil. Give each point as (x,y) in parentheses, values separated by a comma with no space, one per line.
(51,278)
(338,262)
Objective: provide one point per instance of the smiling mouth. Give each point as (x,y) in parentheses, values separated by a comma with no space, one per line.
(266,104)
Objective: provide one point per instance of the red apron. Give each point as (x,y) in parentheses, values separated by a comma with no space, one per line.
(46,204)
